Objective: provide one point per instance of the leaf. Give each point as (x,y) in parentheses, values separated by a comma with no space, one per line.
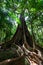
(14,17)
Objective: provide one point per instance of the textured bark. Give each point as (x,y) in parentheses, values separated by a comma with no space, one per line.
(26,32)
(18,37)
(22,36)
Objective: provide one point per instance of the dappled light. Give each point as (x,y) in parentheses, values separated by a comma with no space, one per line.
(21,32)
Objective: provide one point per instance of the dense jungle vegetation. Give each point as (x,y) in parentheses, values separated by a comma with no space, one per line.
(21,31)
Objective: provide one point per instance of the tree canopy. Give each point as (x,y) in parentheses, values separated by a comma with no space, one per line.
(10,11)
(21,25)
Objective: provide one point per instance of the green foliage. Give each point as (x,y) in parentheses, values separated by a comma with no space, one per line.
(9,14)
(5,25)
(6,22)
(10,11)
(14,17)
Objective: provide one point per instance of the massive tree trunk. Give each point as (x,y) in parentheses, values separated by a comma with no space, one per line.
(18,37)
(22,36)
(26,32)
